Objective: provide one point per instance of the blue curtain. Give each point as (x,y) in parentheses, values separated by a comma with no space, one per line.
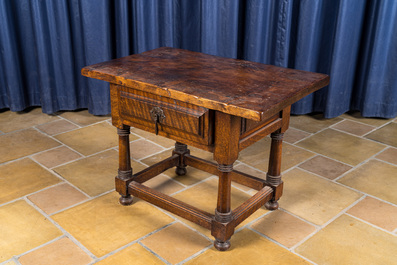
(45,43)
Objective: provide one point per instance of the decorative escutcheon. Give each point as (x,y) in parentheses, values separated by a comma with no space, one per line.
(157,115)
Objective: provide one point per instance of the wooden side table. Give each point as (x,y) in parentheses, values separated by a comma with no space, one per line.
(217,104)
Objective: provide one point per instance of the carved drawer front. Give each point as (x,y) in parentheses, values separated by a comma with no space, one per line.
(164,116)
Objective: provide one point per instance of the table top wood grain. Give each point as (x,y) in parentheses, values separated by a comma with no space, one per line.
(247,89)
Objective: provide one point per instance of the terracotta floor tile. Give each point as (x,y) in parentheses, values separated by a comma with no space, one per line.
(192,176)
(103,225)
(91,139)
(201,154)
(312,123)
(389,155)
(23,143)
(56,127)
(22,177)
(83,117)
(57,156)
(95,174)
(160,140)
(325,167)
(248,170)
(376,212)
(12,121)
(386,134)
(142,148)
(57,198)
(349,149)
(314,199)
(349,241)
(356,116)
(257,155)
(176,243)
(376,178)
(204,196)
(353,127)
(135,254)
(22,228)
(284,228)
(163,184)
(60,252)
(293,135)
(248,248)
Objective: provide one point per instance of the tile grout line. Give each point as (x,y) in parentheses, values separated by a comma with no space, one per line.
(386,162)
(281,245)
(13,259)
(153,142)
(300,218)
(378,128)
(65,233)
(136,241)
(360,164)
(72,122)
(321,227)
(198,253)
(194,230)
(154,253)
(82,126)
(38,247)
(60,177)
(348,187)
(370,224)
(356,120)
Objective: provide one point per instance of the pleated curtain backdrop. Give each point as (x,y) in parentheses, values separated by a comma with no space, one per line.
(45,43)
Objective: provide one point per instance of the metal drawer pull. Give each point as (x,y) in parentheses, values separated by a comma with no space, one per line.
(157,115)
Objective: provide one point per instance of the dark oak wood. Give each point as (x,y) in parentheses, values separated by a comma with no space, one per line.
(237,176)
(216,104)
(252,204)
(125,170)
(181,150)
(171,204)
(246,89)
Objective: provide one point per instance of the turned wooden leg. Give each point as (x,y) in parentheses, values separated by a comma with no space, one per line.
(223,214)
(273,176)
(125,170)
(181,150)
(227,137)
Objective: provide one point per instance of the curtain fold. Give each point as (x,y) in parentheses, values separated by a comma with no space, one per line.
(44,45)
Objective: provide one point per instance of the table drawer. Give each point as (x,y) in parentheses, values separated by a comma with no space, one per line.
(174,118)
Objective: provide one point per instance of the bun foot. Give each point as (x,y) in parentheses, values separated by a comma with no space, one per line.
(180,171)
(271,205)
(125,200)
(222,246)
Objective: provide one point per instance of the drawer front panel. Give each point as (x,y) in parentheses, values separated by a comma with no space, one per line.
(178,118)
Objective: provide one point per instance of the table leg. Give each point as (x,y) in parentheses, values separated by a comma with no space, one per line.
(227,136)
(181,150)
(125,170)
(223,213)
(273,176)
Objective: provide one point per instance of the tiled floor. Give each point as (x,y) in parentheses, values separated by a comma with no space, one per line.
(58,204)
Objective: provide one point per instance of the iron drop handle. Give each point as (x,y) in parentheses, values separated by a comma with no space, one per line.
(157,115)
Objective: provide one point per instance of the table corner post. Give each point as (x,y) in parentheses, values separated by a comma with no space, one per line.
(273,176)
(124,176)
(181,150)
(226,150)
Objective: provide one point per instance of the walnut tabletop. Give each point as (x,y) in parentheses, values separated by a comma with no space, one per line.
(216,104)
(246,89)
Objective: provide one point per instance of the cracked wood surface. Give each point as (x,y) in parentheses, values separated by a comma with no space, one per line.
(247,89)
